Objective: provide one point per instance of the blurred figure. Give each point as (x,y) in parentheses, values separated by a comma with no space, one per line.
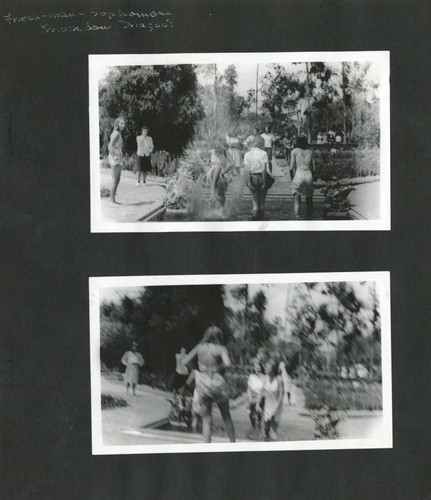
(181,371)
(288,146)
(132,360)
(248,142)
(273,392)
(218,176)
(287,381)
(255,385)
(211,387)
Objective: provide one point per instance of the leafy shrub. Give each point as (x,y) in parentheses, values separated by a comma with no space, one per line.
(346,164)
(342,395)
(105,192)
(237,384)
(109,401)
(157,380)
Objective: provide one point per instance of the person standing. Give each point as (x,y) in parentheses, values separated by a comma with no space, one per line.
(145,148)
(287,381)
(132,360)
(234,151)
(249,141)
(302,169)
(211,387)
(269,140)
(218,176)
(273,393)
(181,370)
(259,180)
(255,385)
(288,146)
(116,155)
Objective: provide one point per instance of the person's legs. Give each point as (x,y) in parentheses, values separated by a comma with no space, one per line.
(255,200)
(116,174)
(227,419)
(266,429)
(127,388)
(206,421)
(288,398)
(253,414)
(309,202)
(274,428)
(296,203)
(134,389)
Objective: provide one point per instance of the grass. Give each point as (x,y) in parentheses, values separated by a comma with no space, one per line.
(343,395)
(109,401)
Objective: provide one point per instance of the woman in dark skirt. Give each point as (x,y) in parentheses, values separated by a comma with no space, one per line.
(145,148)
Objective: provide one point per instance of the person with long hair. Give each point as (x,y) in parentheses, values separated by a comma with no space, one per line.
(213,360)
(116,156)
(302,169)
(145,148)
(259,179)
(132,360)
(255,383)
(273,392)
(234,144)
(218,176)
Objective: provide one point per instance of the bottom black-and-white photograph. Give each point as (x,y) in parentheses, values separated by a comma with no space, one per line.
(240,362)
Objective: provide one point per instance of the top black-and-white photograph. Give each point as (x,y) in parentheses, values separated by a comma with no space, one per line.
(240,142)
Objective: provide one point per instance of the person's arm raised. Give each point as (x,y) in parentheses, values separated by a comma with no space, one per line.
(190,355)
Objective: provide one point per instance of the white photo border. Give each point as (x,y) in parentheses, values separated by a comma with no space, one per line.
(382,436)
(98,62)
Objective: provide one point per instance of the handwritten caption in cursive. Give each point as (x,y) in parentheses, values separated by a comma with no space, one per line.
(94,20)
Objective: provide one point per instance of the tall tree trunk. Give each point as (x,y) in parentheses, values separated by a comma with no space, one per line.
(343,87)
(308,87)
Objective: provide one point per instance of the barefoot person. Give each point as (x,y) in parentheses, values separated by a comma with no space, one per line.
(273,392)
(255,385)
(116,156)
(259,180)
(132,360)
(302,168)
(218,176)
(145,148)
(211,387)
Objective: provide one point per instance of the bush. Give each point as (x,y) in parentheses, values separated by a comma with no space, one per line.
(157,380)
(346,164)
(237,384)
(109,401)
(105,192)
(342,395)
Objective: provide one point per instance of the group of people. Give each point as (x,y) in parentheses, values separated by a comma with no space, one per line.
(267,385)
(250,157)
(255,168)
(144,145)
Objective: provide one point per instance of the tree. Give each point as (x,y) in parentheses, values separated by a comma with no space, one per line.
(165,98)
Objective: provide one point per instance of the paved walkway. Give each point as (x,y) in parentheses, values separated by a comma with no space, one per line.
(127,425)
(136,201)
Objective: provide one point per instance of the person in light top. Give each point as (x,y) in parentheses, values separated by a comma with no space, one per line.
(269,140)
(255,385)
(132,360)
(249,141)
(181,370)
(259,180)
(273,392)
(145,148)
(233,142)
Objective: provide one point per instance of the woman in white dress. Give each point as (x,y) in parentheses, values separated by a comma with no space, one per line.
(273,391)
(234,156)
(302,169)
(132,360)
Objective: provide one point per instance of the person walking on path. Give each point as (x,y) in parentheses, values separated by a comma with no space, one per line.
(218,176)
(213,360)
(116,156)
(302,169)
(273,393)
(145,148)
(234,156)
(269,140)
(259,179)
(181,370)
(249,141)
(287,381)
(132,360)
